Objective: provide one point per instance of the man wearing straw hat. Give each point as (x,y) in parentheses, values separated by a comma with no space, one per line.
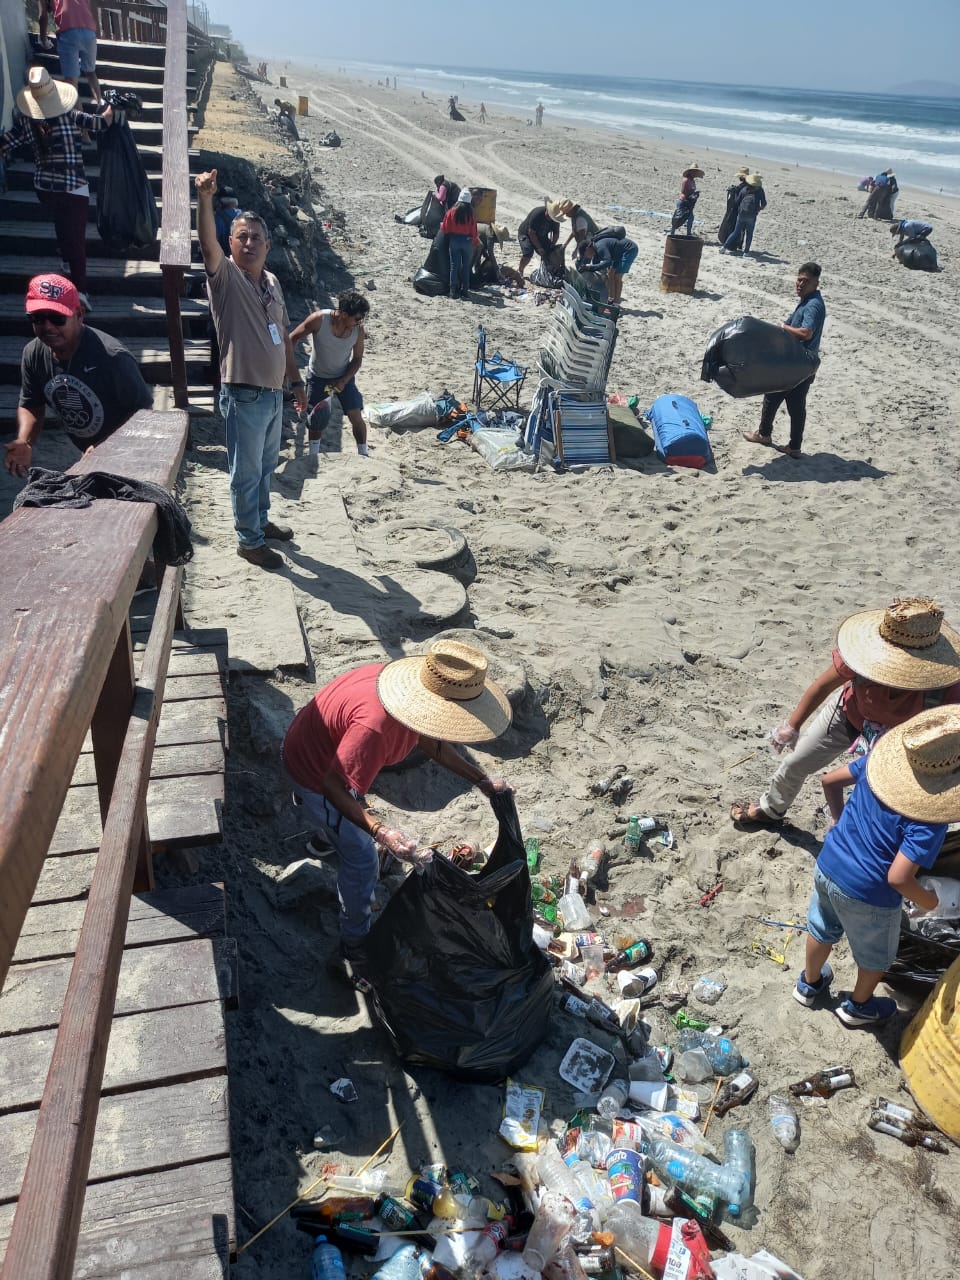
(371,717)
(538,233)
(906,792)
(751,201)
(689,195)
(889,664)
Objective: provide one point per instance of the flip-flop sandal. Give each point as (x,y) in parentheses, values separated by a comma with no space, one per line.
(740,816)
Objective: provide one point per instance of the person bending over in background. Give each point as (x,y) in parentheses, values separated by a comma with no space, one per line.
(909,231)
(613,254)
(538,233)
(336,354)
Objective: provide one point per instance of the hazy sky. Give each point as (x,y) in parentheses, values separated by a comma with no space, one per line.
(838,44)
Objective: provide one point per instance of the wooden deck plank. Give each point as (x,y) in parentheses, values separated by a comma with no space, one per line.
(65,877)
(149,1205)
(145,1049)
(137,1132)
(168,762)
(202,721)
(184,1246)
(185,810)
(184,688)
(160,977)
(50,932)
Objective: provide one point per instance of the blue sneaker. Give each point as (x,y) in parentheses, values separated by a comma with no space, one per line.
(808,993)
(871,1013)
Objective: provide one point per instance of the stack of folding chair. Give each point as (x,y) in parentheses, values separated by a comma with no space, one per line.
(569,419)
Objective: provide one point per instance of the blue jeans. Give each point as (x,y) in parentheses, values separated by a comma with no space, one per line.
(253,417)
(746,224)
(461,252)
(359,862)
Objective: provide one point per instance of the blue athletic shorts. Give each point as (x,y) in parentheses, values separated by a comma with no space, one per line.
(626,260)
(77,49)
(350,397)
(873,933)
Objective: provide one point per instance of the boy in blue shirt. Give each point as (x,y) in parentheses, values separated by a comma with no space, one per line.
(893,825)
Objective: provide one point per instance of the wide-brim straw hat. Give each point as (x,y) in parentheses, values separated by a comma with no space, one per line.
(914,768)
(445,694)
(566,206)
(44,98)
(743,171)
(554,210)
(906,646)
(754,180)
(694,171)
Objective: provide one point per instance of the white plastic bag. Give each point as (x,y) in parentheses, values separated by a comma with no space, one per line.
(421,412)
(501,450)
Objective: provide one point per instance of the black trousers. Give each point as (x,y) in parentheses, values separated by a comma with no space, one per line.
(796,402)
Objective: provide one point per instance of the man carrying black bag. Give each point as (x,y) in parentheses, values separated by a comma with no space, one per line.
(375,716)
(806,325)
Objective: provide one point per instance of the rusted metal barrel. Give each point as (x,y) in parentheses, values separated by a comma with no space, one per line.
(681,263)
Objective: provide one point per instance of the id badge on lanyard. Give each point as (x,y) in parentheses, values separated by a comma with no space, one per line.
(274,333)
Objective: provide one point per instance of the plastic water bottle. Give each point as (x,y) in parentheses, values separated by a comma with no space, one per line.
(784,1121)
(613,1099)
(738,1154)
(327,1262)
(591,861)
(695,1174)
(556,1175)
(639,1237)
(722,1054)
(631,839)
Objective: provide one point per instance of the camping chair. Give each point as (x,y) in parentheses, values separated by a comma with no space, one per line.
(498,379)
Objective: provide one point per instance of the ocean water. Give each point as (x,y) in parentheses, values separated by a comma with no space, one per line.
(854,133)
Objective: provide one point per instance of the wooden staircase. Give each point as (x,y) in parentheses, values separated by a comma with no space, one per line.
(127,293)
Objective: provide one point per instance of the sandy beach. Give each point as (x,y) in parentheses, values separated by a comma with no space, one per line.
(660,619)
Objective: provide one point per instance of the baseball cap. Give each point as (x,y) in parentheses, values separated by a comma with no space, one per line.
(52,293)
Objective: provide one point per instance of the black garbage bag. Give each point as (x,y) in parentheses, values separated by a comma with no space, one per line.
(459,983)
(921,962)
(127,216)
(331,139)
(431,215)
(431,285)
(750,357)
(549,274)
(409,219)
(918,255)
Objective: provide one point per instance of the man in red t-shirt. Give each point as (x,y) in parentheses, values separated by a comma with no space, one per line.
(888,666)
(76,23)
(371,717)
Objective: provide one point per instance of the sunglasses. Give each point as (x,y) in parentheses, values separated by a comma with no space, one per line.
(48,317)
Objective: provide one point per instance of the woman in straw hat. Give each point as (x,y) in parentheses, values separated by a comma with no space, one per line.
(905,793)
(887,666)
(751,201)
(50,125)
(689,195)
(371,717)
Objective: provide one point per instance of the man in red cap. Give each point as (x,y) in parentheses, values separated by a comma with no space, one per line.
(87,378)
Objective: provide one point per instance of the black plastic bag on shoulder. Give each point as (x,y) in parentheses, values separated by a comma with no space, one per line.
(459,984)
(751,357)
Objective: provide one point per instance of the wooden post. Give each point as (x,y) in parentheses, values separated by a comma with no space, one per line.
(172,289)
(109,724)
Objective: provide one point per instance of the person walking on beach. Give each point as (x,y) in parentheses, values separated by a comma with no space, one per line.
(689,195)
(905,793)
(336,355)
(538,233)
(76,24)
(460,227)
(538,115)
(50,125)
(256,358)
(751,201)
(483,114)
(888,665)
(729,219)
(365,720)
(614,254)
(806,324)
(910,231)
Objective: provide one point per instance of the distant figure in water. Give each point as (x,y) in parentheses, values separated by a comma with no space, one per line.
(538,115)
(483,114)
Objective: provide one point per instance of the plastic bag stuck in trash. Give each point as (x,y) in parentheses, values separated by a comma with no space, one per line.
(459,983)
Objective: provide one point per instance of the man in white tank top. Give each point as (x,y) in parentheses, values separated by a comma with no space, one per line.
(336,355)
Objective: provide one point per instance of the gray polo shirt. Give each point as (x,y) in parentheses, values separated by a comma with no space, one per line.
(242,314)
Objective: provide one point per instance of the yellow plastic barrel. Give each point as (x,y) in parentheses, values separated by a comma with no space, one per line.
(930,1053)
(681,264)
(303,106)
(484,203)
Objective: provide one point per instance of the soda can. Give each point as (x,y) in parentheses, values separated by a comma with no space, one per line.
(396,1215)
(424,1187)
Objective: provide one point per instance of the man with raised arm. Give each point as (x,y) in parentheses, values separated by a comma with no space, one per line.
(256,358)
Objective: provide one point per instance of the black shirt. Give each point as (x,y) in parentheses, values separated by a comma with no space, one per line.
(95,392)
(546,230)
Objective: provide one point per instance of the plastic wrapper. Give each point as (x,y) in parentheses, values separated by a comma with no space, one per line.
(127,216)
(750,357)
(459,983)
(501,450)
(522,1108)
(419,412)
(709,987)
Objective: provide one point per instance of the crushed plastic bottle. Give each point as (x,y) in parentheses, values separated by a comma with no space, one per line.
(697,1175)
(613,1099)
(738,1154)
(722,1054)
(708,989)
(555,1220)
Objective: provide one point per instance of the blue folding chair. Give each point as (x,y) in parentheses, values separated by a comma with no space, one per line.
(497,379)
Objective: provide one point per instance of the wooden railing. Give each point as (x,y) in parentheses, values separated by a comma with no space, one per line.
(175,230)
(66,666)
(127,20)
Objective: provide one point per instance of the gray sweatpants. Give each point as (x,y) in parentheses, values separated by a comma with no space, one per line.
(821,741)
